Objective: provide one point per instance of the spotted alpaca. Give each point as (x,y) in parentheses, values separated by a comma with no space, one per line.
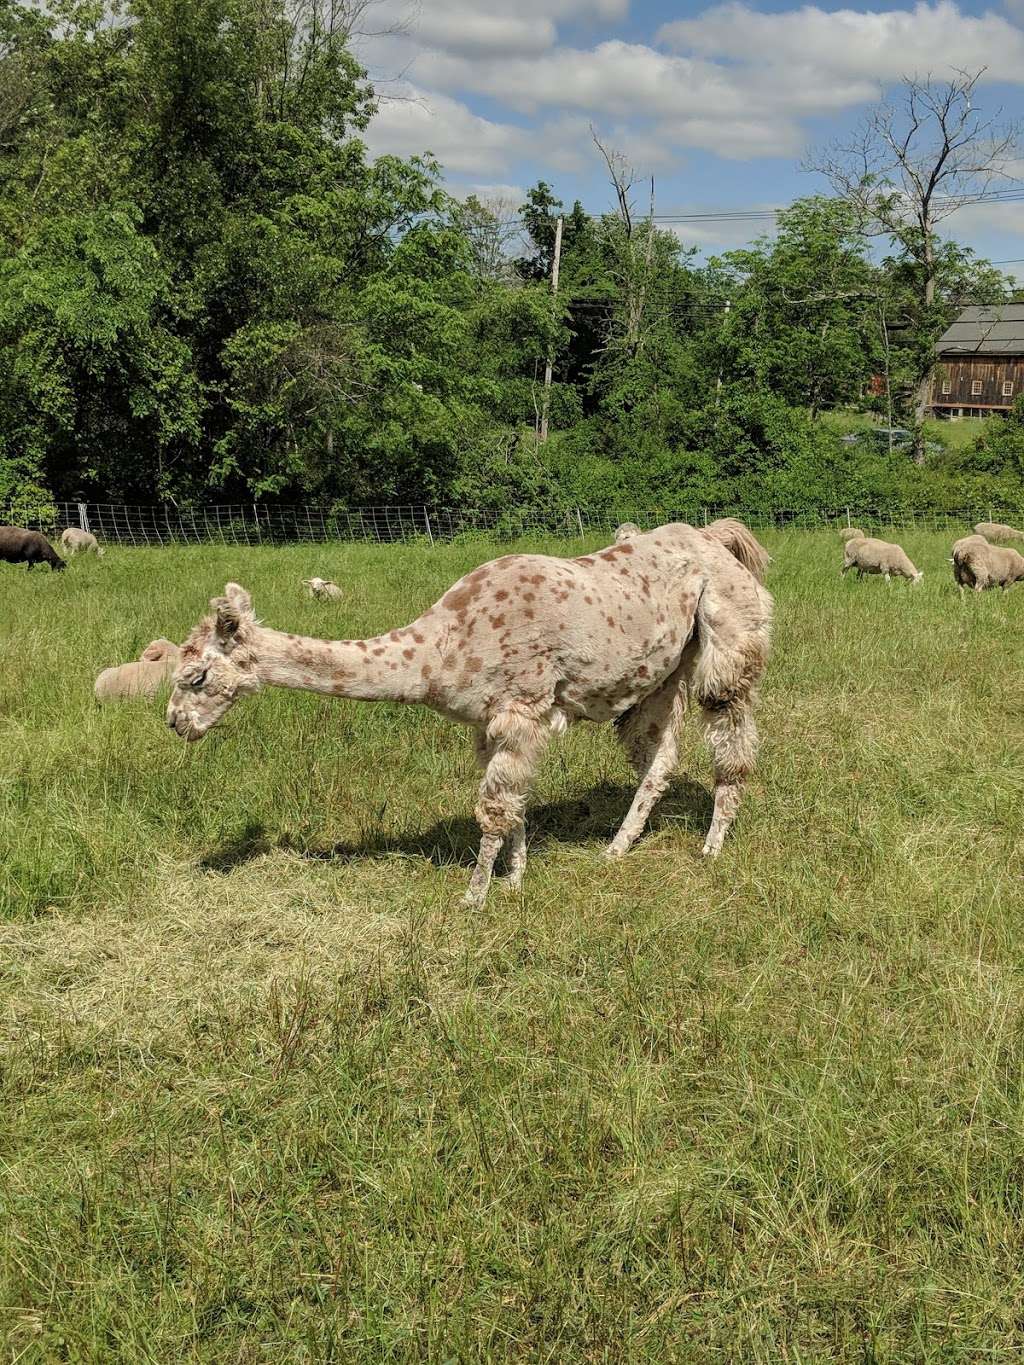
(522,648)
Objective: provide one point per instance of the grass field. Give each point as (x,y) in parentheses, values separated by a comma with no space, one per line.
(270,1092)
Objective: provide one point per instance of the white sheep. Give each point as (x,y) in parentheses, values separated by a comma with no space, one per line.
(75,541)
(142,678)
(878,556)
(626,531)
(997,530)
(979,565)
(323,589)
(852,533)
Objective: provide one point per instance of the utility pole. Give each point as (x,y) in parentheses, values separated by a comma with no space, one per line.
(718,381)
(556,260)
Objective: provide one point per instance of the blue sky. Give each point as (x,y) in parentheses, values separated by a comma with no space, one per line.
(720,103)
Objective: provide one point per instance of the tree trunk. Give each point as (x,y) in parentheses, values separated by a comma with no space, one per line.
(925,383)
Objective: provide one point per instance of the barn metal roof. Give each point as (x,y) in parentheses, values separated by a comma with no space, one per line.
(985,331)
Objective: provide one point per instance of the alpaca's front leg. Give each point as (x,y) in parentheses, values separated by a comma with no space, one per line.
(649,734)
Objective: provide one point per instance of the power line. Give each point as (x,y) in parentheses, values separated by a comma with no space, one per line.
(1007,196)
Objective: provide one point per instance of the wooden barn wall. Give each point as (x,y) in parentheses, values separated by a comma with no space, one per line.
(965,372)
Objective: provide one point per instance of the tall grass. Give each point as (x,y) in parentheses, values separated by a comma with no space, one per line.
(269,1092)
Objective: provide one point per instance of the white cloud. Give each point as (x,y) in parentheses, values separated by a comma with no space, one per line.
(684,102)
(874,47)
(987,219)
(461,140)
(737,81)
(471,32)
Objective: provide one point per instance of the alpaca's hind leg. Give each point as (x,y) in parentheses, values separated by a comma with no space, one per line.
(649,734)
(732,737)
(511,747)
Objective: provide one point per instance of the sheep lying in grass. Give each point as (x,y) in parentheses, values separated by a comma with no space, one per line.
(997,530)
(323,589)
(979,565)
(142,678)
(852,533)
(626,531)
(878,556)
(74,541)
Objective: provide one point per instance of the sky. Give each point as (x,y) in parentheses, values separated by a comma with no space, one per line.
(720,103)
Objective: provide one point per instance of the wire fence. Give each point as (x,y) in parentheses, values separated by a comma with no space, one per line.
(255,524)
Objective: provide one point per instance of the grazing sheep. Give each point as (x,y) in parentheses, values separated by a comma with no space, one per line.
(73,542)
(997,530)
(323,589)
(142,678)
(852,533)
(979,565)
(878,556)
(18,546)
(626,531)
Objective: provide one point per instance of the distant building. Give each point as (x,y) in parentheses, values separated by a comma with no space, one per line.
(980,362)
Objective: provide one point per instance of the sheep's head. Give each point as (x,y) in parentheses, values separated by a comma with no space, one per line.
(159,651)
(216,666)
(319,587)
(917,577)
(626,531)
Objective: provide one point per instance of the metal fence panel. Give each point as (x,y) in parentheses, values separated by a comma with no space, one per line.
(254,524)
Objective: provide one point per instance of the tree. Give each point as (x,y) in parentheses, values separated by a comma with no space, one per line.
(911,164)
(800,322)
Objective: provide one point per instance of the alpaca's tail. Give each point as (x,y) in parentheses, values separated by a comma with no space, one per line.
(742,544)
(731,651)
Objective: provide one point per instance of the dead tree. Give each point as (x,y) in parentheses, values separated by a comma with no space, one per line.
(914,162)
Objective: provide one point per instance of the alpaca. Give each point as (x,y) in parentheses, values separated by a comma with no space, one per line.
(742,544)
(523,647)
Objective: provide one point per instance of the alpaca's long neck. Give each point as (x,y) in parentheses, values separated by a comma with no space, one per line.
(393,667)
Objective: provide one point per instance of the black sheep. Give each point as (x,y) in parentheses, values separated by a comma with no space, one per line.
(18,546)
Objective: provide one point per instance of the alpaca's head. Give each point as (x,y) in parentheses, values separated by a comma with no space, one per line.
(216,666)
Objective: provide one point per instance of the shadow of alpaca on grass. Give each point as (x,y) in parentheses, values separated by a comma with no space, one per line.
(596,815)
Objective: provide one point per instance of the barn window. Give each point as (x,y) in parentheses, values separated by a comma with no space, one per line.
(947,386)
(1007,388)
(975,386)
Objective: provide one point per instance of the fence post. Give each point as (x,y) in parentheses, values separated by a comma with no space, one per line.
(579,519)
(83,516)
(426,519)
(848,516)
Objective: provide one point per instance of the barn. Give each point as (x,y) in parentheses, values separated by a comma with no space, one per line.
(979,365)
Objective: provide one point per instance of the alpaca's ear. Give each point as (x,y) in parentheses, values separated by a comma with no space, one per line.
(231,611)
(239,598)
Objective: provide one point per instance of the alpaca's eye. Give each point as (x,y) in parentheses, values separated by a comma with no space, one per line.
(200,678)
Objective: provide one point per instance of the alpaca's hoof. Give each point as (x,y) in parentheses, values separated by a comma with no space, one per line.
(613,853)
(710,850)
(512,883)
